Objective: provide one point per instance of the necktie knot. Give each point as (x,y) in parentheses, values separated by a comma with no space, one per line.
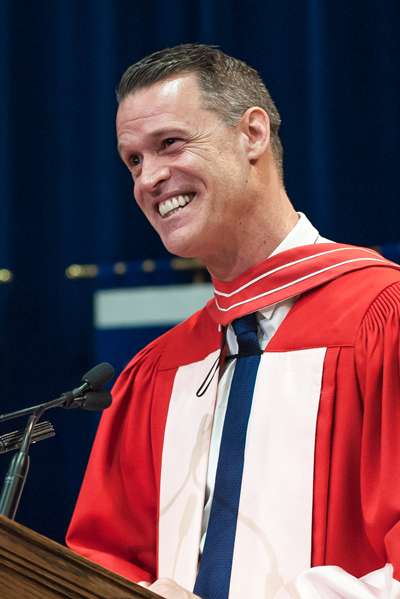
(246,334)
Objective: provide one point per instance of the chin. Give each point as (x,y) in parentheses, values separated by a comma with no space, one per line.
(180,247)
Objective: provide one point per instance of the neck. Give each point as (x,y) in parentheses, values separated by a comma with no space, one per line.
(254,239)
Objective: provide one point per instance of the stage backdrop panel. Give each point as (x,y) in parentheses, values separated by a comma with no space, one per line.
(127,319)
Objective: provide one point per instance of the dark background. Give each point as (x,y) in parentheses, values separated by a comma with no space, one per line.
(334,71)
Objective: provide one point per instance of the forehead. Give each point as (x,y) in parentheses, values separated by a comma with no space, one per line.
(174,101)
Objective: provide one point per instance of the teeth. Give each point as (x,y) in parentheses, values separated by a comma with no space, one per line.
(174,203)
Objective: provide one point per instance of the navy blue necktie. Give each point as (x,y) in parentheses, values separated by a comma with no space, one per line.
(214,574)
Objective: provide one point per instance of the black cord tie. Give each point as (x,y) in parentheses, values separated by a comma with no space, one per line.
(209,377)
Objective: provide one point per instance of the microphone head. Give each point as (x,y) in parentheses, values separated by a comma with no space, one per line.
(98,376)
(96,400)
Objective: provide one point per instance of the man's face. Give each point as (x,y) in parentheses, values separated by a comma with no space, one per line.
(189,168)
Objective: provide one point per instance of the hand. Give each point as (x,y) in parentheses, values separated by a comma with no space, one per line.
(169,589)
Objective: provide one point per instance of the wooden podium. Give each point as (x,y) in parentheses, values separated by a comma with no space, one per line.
(34,567)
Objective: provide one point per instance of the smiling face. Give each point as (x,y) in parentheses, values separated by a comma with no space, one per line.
(190,170)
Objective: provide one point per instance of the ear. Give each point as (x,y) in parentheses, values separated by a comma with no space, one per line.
(255,128)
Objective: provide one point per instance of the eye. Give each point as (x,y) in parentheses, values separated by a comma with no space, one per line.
(168,141)
(134,160)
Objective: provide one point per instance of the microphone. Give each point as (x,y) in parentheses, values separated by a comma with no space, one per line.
(92,381)
(88,395)
(93,400)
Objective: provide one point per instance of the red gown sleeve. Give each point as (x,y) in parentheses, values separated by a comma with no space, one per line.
(114,522)
(377,355)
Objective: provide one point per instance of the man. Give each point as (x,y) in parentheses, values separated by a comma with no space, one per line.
(318,506)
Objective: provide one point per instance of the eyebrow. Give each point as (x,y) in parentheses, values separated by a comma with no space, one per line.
(157,133)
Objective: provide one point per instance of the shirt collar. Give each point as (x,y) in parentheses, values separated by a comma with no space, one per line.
(303,233)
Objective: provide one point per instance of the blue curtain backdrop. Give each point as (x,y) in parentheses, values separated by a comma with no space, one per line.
(334,71)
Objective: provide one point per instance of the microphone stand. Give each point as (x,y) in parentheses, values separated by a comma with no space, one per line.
(17,473)
(88,396)
(16,476)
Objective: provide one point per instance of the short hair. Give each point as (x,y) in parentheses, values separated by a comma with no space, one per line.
(229,86)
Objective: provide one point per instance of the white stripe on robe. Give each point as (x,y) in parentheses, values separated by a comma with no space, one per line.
(273,539)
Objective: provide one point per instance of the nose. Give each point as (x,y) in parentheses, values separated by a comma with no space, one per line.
(153,172)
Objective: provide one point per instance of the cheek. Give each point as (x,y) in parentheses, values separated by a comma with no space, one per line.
(190,165)
(137,197)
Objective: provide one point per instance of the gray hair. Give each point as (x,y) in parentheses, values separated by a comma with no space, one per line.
(229,86)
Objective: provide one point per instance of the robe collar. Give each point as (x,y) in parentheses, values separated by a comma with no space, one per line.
(287,274)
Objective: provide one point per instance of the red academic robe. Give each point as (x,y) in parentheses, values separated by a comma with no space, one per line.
(349,305)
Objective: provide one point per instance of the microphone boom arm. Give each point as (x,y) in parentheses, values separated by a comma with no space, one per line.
(40,408)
